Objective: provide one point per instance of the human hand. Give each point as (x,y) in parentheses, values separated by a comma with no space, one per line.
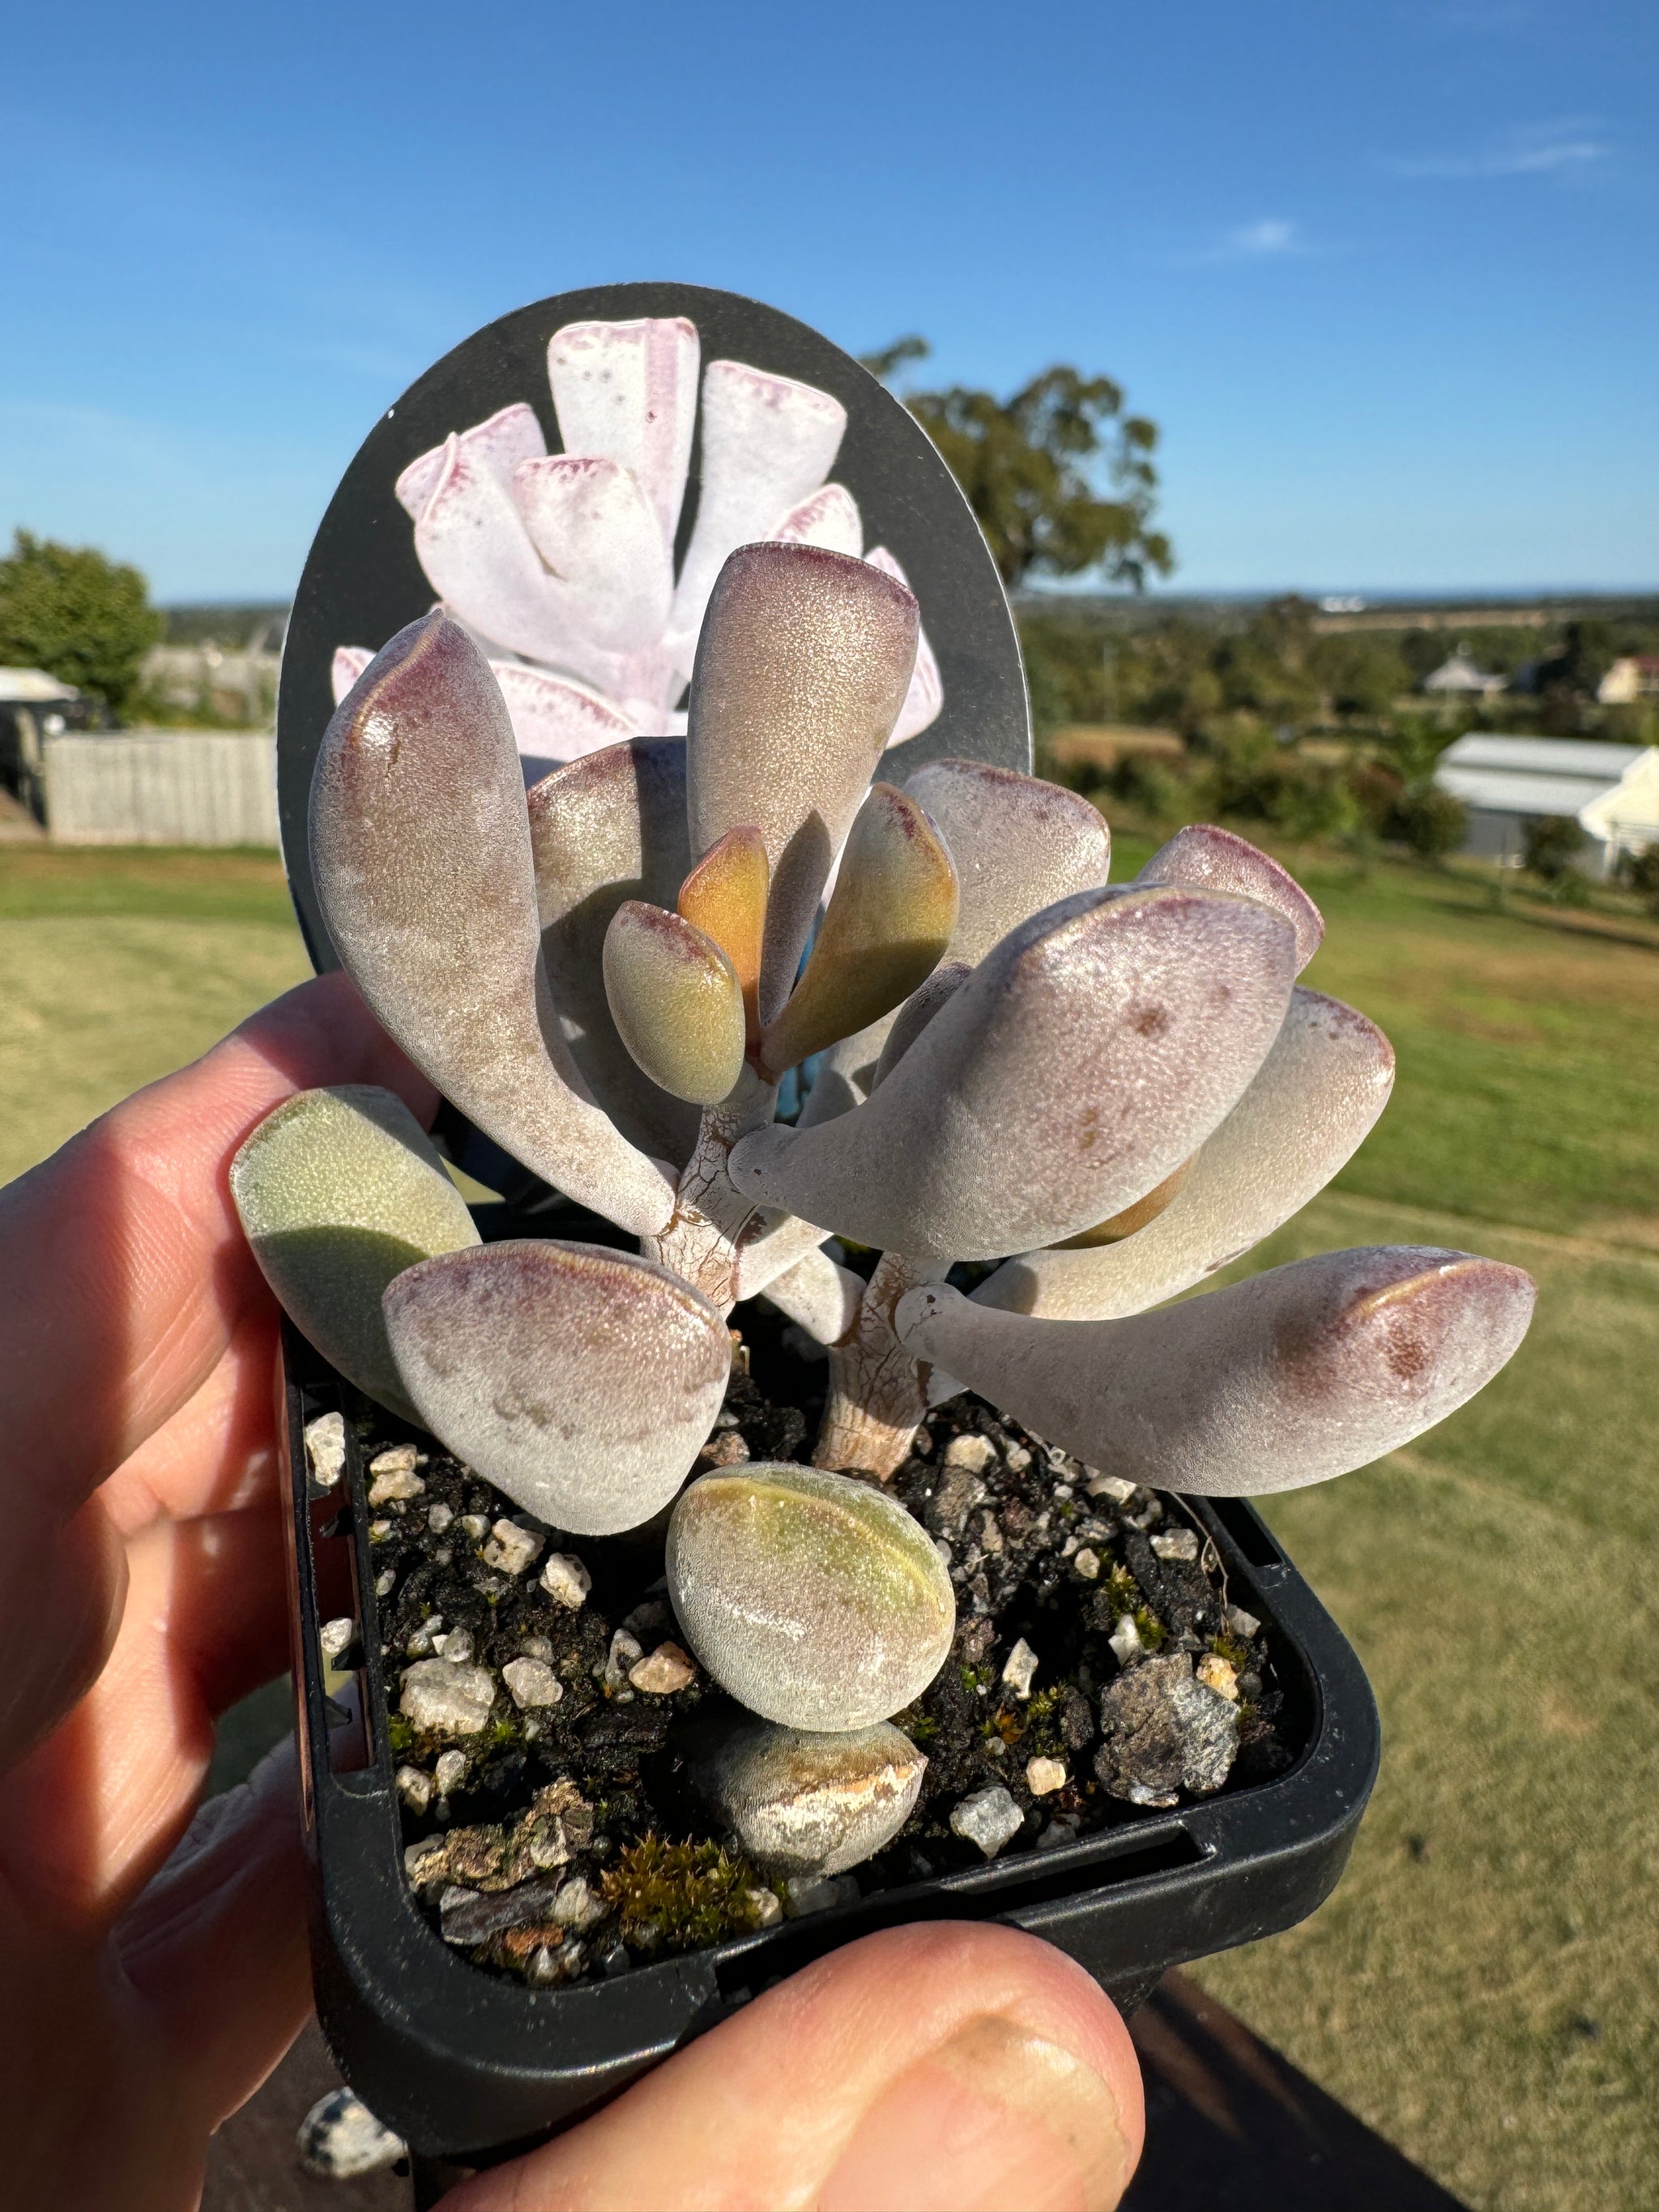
(156,1975)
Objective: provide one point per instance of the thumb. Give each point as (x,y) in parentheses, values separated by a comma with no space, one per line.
(943,2066)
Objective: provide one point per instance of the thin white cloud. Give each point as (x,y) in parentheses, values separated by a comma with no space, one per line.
(1269,238)
(1542,149)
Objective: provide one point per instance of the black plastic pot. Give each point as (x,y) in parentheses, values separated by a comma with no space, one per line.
(466,2065)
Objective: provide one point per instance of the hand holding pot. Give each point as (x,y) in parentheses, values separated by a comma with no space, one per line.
(154,1968)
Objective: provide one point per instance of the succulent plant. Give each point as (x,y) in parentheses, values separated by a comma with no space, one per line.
(1099,1094)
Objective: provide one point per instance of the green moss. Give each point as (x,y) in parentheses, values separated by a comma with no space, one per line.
(1233,1649)
(918,1726)
(399,1734)
(680,1897)
(1152,1632)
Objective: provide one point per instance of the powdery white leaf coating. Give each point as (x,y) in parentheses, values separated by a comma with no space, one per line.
(421,849)
(347,666)
(676,1001)
(556,718)
(338,1191)
(918,1010)
(472,543)
(819,1296)
(842,1077)
(814,1600)
(496,446)
(1018,844)
(888,920)
(627,391)
(1204,858)
(582,1381)
(604,829)
(805,1802)
(924,695)
(1313,1099)
(1086,1056)
(593,524)
(766,443)
(828,517)
(801,672)
(1288,1378)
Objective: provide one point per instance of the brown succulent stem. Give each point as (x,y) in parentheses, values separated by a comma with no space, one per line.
(711,1225)
(877,1392)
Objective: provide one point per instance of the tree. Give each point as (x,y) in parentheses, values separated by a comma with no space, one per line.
(80,615)
(1059,476)
(1552,844)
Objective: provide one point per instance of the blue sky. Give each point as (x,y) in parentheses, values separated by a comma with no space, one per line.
(1384,274)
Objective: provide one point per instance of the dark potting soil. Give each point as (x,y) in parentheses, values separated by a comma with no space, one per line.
(563,1838)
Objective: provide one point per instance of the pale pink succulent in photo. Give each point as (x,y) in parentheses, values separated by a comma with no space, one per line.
(561,566)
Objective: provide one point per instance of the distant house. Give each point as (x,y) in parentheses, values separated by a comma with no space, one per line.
(34,706)
(1458,677)
(1633,676)
(1612,792)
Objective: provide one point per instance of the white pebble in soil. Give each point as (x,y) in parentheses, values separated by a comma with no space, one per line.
(325,1447)
(1242,1623)
(990,1819)
(531,1682)
(420,1645)
(769,1906)
(474,1525)
(448,1773)
(340,2138)
(566,1580)
(396,1459)
(537,1646)
(1020,1671)
(401,1484)
(1087,1562)
(1044,1776)
(456,1646)
(576,1905)
(512,1550)
(439,1518)
(807,1893)
(975,1453)
(1016,1458)
(1125,1641)
(385,1583)
(1179,1544)
(415,1787)
(624,1651)
(1109,1485)
(446,1696)
(336,1637)
(1218,1674)
(668,1669)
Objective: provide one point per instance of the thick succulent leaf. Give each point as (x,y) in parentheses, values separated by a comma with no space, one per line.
(1204,858)
(497,445)
(828,517)
(814,1599)
(555,720)
(348,665)
(801,669)
(802,1802)
(1131,1218)
(887,921)
(582,1382)
(591,523)
(842,1077)
(627,391)
(1018,843)
(472,542)
(608,828)
(1313,1099)
(763,1259)
(420,844)
(725,896)
(818,1296)
(914,1015)
(767,442)
(676,1001)
(1288,1378)
(338,1191)
(1087,1055)
(925,695)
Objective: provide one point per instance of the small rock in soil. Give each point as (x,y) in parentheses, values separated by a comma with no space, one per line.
(447,1698)
(768,1905)
(470,1916)
(512,1549)
(449,1771)
(415,1787)
(1109,1485)
(531,1682)
(667,1670)
(1179,1544)
(1217,1674)
(1165,1732)
(576,1905)
(623,1653)
(396,1487)
(397,1459)
(1242,1624)
(1044,1776)
(805,1893)
(975,1453)
(456,1646)
(336,1637)
(990,1818)
(959,1490)
(439,1517)
(340,2138)
(325,1452)
(566,1581)
(725,1448)
(1020,1670)
(1086,1560)
(1125,1640)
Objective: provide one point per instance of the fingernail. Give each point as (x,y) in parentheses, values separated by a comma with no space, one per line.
(995,2117)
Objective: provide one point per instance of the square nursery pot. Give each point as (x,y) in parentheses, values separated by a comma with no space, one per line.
(468,2066)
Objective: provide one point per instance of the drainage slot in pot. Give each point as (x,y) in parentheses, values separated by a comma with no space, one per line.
(339,1635)
(1249,1532)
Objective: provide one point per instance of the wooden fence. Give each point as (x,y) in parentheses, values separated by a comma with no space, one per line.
(161,787)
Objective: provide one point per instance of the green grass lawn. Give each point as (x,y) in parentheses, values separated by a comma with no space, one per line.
(1484,1987)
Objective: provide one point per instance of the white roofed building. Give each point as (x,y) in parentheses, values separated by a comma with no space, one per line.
(1611,791)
